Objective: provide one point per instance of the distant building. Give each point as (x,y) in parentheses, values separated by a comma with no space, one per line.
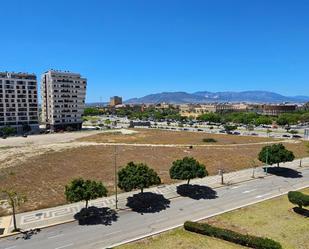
(187,110)
(63,99)
(306,134)
(275,110)
(115,100)
(18,101)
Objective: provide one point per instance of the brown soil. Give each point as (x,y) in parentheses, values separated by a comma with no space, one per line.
(43,177)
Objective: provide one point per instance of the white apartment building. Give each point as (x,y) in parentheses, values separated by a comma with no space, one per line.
(18,101)
(63,99)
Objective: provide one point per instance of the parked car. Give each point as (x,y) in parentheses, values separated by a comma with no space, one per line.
(285,135)
(236,133)
(296,136)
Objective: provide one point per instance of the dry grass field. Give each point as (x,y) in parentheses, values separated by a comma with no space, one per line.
(274,219)
(43,177)
(148,136)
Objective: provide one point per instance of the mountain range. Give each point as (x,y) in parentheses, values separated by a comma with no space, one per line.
(205,96)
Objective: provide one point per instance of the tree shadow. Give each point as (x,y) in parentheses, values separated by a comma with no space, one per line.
(147,202)
(96,216)
(301,211)
(283,172)
(196,192)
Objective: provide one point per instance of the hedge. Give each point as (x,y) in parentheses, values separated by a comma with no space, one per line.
(228,235)
(298,199)
(209,140)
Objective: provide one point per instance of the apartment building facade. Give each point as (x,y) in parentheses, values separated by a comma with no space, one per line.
(18,101)
(63,99)
(115,100)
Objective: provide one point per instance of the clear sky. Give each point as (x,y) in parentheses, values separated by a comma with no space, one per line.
(135,47)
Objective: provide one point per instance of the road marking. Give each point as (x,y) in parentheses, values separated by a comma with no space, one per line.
(11,247)
(260,196)
(248,191)
(235,187)
(112,233)
(55,236)
(64,246)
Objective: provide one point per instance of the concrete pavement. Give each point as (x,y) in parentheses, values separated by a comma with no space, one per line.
(129,225)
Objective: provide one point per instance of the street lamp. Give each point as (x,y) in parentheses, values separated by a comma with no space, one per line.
(115,164)
(266,169)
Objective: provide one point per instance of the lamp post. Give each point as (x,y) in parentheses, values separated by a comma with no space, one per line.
(266,161)
(115,164)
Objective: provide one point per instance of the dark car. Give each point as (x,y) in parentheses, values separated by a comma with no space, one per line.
(296,136)
(236,133)
(222,131)
(199,130)
(285,135)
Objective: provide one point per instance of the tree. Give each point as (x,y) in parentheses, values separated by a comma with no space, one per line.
(7,130)
(187,169)
(137,176)
(15,200)
(298,198)
(229,128)
(84,190)
(275,153)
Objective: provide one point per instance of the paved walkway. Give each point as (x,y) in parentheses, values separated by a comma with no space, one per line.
(61,214)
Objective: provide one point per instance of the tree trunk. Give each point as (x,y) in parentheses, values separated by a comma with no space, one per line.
(86,204)
(188,181)
(142,190)
(277,164)
(14,217)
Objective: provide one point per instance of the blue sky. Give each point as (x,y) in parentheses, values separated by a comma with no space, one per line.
(135,47)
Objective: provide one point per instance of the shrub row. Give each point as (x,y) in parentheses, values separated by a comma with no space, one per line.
(228,235)
(209,140)
(298,198)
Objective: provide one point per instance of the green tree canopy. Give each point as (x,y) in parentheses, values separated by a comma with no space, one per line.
(187,169)
(275,154)
(84,190)
(298,199)
(137,176)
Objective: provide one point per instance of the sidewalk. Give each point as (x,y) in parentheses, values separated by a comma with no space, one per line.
(62,214)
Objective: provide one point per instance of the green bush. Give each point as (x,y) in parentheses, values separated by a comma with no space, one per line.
(8,131)
(228,235)
(209,140)
(298,198)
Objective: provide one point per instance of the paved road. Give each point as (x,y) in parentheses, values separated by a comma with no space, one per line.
(131,225)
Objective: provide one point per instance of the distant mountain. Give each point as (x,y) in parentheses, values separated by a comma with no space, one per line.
(204,97)
(168,97)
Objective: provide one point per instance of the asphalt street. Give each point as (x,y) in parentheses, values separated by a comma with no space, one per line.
(112,229)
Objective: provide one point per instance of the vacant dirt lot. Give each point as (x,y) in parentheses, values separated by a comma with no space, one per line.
(170,137)
(43,177)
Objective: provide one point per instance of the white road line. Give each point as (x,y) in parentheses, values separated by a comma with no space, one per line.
(55,236)
(64,246)
(248,191)
(260,196)
(112,233)
(235,187)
